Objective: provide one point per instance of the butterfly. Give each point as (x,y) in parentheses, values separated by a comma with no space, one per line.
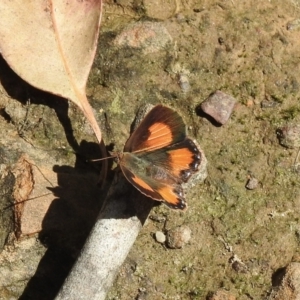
(158,157)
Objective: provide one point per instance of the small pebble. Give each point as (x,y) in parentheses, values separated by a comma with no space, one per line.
(252,183)
(180,18)
(268,104)
(250,103)
(178,237)
(160,237)
(237,263)
(198,10)
(157,218)
(221,41)
(289,136)
(292,25)
(239,267)
(184,83)
(219,106)
(142,294)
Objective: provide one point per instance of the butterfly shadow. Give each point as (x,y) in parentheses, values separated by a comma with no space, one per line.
(67,223)
(72,215)
(79,198)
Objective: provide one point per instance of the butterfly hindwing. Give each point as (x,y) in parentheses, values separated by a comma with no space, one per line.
(161,127)
(179,160)
(170,193)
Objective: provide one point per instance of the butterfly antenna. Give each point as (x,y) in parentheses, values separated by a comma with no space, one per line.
(103,158)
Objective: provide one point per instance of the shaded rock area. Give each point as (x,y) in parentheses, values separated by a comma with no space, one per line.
(289,287)
(180,52)
(47,191)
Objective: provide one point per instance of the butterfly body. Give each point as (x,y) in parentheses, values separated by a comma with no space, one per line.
(158,157)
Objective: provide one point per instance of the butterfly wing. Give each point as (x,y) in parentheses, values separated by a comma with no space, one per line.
(167,190)
(161,127)
(179,160)
(158,157)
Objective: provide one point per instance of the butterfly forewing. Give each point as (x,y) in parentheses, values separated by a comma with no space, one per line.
(160,128)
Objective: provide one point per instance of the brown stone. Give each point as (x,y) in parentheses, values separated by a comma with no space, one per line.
(219,106)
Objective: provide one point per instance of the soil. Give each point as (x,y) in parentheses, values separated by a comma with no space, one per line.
(241,238)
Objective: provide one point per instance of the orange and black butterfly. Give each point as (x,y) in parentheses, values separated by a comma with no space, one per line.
(158,157)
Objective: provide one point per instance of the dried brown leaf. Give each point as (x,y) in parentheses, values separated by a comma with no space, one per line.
(51,44)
